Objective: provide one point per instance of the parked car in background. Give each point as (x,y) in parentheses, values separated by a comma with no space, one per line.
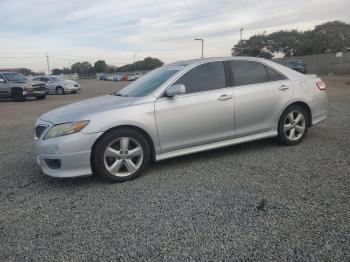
(124,77)
(103,77)
(109,78)
(178,109)
(134,77)
(296,65)
(117,77)
(59,86)
(19,87)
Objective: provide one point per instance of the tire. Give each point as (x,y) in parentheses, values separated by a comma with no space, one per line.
(103,161)
(293,125)
(59,90)
(17,95)
(40,97)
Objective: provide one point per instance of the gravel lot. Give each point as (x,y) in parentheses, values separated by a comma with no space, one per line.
(197,207)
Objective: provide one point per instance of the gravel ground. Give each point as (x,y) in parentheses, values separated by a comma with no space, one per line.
(197,207)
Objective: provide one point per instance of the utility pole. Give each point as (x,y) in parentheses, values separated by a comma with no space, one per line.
(134,62)
(202,40)
(241,34)
(48,64)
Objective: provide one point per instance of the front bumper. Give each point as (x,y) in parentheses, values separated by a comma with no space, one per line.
(72,89)
(71,151)
(35,93)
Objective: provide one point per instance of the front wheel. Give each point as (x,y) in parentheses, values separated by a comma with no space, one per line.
(121,155)
(59,90)
(293,125)
(17,95)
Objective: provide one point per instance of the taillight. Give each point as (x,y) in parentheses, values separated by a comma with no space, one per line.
(321,85)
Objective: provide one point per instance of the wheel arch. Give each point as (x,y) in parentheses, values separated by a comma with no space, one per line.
(133,127)
(304,105)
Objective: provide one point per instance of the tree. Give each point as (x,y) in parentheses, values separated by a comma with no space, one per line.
(149,63)
(66,71)
(57,71)
(100,66)
(255,46)
(82,68)
(329,37)
(325,38)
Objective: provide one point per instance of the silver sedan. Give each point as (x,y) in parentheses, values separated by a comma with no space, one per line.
(59,86)
(178,109)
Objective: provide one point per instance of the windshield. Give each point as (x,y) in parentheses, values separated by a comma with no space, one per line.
(15,77)
(149,82)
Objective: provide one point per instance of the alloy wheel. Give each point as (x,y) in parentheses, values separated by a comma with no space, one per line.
(123,156)
(294,125)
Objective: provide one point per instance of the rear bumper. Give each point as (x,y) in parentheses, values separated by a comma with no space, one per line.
(72,152)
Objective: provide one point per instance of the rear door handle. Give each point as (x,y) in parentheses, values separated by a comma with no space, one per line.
(283,87)
(225,97)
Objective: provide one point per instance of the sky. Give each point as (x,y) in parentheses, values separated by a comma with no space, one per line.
(119,31)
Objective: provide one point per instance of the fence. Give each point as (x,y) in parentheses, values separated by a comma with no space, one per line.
(323,64)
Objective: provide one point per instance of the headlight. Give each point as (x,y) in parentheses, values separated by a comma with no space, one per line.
(27,87)
(66,129)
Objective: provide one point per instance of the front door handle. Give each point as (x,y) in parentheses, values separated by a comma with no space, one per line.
(283,87)
(225,97)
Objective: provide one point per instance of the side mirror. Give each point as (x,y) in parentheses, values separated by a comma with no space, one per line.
(175,90)
(2,80)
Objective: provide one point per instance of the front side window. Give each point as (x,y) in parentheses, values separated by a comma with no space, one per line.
(248,72)
(204,77)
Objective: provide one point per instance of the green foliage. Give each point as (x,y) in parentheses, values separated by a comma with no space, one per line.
(148,63)
(57,71)
(255,46)
(329,37)
(82,69)
(100,66)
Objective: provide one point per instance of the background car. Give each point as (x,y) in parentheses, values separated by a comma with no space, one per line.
(296,65)
(178,109)
(109,78)
(19,87)
(103,77)
(133,77)
(117,77)
(59,86)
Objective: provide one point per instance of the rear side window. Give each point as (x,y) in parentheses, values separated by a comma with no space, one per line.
(204,77)
(273,75)
(248,72)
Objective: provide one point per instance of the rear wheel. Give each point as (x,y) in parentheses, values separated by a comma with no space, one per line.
(17,95)
(293,125)
(121,155)
(59,90)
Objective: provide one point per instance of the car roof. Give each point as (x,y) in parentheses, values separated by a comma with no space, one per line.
(211,59)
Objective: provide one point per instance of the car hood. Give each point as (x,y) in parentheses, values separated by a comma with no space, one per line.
(83,109)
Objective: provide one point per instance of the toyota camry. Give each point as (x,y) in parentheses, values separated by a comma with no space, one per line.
(178,109)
